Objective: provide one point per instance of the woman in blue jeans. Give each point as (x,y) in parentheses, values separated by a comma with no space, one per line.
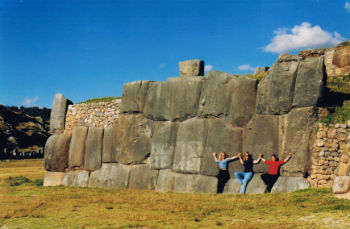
(247,174)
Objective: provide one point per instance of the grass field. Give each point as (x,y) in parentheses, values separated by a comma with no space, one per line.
(29,205)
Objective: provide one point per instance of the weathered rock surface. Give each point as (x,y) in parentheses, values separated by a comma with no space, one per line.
(143,177)
(166,181)
(191,68)
(216,94)
(221,137)
(56,152)
(158,103)
(276,90)
(53,178)
(298,128)
(111,175)
(255,185)
(337,61)
(190,143)
(310,83)
(261,135)
(109,152)
(194,183)
(134,96)
(133,137)
(184,97)
(243,103)
(290,184)
(232,186)
(341,184)
(77,147)
(258,70)
(163,145)
(79,178)
(93,149)
(58,114)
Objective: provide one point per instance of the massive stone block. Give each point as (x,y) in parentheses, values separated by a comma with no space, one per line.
(184,97)
(111,175)
(166,180)
(77,147)
(158,103)
(243,102)
(190,145)
(194,183)
(58,114)
(290,184)
(93,149)
(216,95)
(275,91)
(53,178)
(163,145)
(221,137)
(341,184)
(191,68)
(109,152)
(255,185)
(56,152)
(133,138)
(79,178)
(310,83)
(297,131)
(261,135)
(134,96)
(143,177)
(232,186)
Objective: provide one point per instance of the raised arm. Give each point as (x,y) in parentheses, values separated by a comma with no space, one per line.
(235,157)
(240,158)
(261,157)
(214,155)
(287,158)
(257,160)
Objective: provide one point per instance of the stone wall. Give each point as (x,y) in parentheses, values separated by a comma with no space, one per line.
(166,132)
(101,114)
(329,156)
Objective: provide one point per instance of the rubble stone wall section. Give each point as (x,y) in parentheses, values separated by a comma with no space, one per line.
(329,156)
(101,114)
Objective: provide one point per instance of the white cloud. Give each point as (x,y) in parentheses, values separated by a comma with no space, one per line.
(302,36)
(347,6)
(163,65)
(246,67)
(30,102)
(208,68)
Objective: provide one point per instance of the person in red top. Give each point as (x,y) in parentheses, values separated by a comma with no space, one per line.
(271,176)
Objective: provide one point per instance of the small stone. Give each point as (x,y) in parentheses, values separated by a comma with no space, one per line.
(319,143)
(321,154)
(337,125)
(343,126)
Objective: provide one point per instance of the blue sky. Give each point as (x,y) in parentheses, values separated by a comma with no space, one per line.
(87,49)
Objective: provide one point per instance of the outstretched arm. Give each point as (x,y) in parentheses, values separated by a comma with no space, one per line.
(235,157)
(214,155)
(257,160)
(261,157)
(287,158)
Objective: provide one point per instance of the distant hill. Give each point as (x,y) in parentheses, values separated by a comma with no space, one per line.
(23,131)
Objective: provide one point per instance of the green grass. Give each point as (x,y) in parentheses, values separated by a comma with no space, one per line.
(341,114)
(104,99)
(31,206)
(339,84)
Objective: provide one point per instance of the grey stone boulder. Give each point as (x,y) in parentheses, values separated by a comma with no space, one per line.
(166,181)
(276,90)
(184,97)
(216,94)
(256,185)
(261,135)
(195,183)
(341,184)
(298,129)
(134,96)
(77,147)
(133,138)
(190,143)
(290,184)
(111,175)
(56,152)
(243,101)
(158,102)
(53,178)
(310,83)
(191,68)
(58,114)
(221,137)
(163,145)
(232,186)
(109,151)
(93,149)
(79,178)
(142,177)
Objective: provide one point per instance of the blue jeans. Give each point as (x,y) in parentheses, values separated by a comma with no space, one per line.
(243,178)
